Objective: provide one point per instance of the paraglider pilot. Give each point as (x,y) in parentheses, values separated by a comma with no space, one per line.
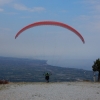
(47,76)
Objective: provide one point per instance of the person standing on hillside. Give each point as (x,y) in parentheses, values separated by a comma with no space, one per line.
(47,76)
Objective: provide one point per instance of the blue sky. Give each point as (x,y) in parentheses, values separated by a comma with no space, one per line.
(55,44)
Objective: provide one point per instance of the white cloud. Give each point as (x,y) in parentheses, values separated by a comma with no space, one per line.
(93,5)
(3,2)
(20,7)
(91,20)
(37,9)
(1,10)
(24,8)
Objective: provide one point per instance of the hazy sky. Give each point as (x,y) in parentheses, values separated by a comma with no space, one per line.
(53,43)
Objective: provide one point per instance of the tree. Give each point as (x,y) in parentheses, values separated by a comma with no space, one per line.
(96,67)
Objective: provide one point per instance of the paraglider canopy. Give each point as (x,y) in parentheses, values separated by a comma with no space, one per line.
(51,23)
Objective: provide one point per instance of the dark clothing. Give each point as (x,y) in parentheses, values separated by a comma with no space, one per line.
(47,77)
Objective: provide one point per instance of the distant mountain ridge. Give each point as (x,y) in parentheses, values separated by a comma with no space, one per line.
(31,70)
